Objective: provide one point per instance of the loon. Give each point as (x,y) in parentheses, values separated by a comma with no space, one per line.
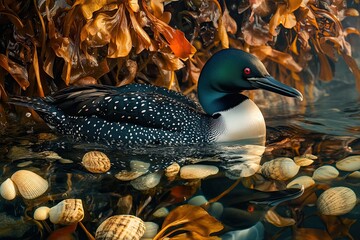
(142,114)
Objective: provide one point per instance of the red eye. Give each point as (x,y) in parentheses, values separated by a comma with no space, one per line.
(250,208)
(247,71)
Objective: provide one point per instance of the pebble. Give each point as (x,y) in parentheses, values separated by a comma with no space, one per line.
(198,171)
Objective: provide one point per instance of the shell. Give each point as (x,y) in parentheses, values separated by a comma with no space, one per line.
(305,181)
(151,230)
(303,161)
(324,173)
(29,184)
(41,213)
(198,171)
(139,166)
(146,182)
(96,162)
(172,171)
(67,212)
(336,201)
(124,175)
(125,227)
(8,189)
(280,169)
(161,212)
(349,164)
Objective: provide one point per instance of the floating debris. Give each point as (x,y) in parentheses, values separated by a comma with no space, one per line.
(305,181)
(280,169)
(67,212)
(336,201)
(96,162)
(125,227)
(325,173)
(41,213)
(349,164)
(146,182)
(198,171)
(29,184)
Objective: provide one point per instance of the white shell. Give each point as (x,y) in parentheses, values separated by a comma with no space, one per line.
(41,213)
(197,171)
(349,164)
(67,212)
(146,182)
(151,229)
(305,181)
(96,162)
(8,189)
(336,201)
(280,169)
(172,171)
(124,227)
(139,166)
(324,173)
(161,212)
(29,184)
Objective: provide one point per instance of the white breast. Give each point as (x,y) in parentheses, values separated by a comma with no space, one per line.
(245,121)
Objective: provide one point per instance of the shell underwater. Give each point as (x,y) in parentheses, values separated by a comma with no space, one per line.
(232,191)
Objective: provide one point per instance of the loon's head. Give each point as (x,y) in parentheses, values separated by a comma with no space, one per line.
(231,71)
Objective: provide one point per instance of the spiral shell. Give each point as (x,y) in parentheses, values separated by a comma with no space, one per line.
(96,162)
(8,189)
(67,212)
(29,184)
(125,227)
(280,169)
(336,201)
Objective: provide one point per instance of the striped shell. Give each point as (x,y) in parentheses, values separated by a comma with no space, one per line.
(349,164)
(8,189)
(280,169)
(67,212)
(96,162)
(324,173)
(125,227)
(29,184)
(336,201)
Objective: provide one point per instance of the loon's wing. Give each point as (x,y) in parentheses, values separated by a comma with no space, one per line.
(139,104)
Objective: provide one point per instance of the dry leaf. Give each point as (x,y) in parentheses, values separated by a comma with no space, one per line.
(337,226)
(18,72)
(311,234)
(188,218)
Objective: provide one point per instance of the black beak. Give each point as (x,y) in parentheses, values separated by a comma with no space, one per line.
(270,84)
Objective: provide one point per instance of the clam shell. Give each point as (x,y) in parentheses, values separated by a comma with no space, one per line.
(336,201)
(303,161)
(29,184)
(67,212)
(161,212)
(146,182)
(96,162)
(8,189)
(41,213)
(280,169)
(172,171)
(305,181)
(197,171)
(349,164)
(125,227)
(151,230)
(139,166)
(324,173)
(125,175)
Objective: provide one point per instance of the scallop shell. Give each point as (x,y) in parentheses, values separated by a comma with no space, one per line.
(197,171)
(172,171)
(280,169)
(96,162)
(305,181)
(349,164)
(41,213)
(8,189)
(336,201)
(67,212)
(29,184)
(125,227)
(324,173)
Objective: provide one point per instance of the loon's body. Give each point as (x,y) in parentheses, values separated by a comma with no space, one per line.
(139,114)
